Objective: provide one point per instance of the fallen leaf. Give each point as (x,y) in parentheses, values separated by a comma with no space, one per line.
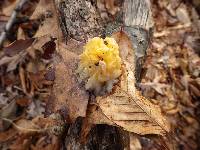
(134,142)
(50,75)
(156,85)
(27,129)
(6,59)
(16,60)
(125,46)
(27,126)
(35,108)
(7,10)
(50,142)
(133,114)
(127,53)
(8,112)
(18,46)
(183,15)
(18,52)
(22,142)
(48,49)
(38,79)
(23,102)
(21,34)
(7,135)
(49,26)
(37,45)
(125,106)
(95,116)
(195,90)
(68,91)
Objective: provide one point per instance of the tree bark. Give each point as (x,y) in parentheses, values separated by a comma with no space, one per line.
(80,20)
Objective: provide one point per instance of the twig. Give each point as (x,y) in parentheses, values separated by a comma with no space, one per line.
(168,31)
(11,21)
(23,129)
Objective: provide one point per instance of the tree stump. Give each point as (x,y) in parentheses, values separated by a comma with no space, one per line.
(80,20)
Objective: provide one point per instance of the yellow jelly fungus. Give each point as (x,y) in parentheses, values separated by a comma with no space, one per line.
(100,64)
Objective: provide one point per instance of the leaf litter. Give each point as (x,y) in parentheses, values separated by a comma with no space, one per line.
(172,79)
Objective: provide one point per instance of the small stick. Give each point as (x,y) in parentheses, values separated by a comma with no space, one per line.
(11,21)
(23,129)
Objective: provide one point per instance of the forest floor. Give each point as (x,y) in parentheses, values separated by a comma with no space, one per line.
(170,74)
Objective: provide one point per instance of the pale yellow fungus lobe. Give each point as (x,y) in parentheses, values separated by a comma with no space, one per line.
(100,64)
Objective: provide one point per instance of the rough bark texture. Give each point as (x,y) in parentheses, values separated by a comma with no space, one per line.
(81,20)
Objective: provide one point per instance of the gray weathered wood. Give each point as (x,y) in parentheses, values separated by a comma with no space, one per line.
(138,13)
(138,24)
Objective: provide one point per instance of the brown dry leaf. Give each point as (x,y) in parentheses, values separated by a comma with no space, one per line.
(15,53)
(46,9)
(8,9)
(156,85)
(134,142)
(38,124)
(35,108)
(12,61)
(44,143)
(107,5)
(22,142)
(126,107)
(38,79)
(21,34)
(23,101)
(27,126)
(30,45)
(29,129)
(48,49)
(18,46)
(183,15)
(135,115)
(18,50)
(9,112)
(95,116)
(6,135)
(37,45)
(70,95)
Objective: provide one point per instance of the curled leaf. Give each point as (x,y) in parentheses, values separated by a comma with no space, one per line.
(126,107)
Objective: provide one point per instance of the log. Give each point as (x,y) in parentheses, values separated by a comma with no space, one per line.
(80,20)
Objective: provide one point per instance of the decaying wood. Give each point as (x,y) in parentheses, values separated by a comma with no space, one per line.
(138,13)
(138,25)
(81,20)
